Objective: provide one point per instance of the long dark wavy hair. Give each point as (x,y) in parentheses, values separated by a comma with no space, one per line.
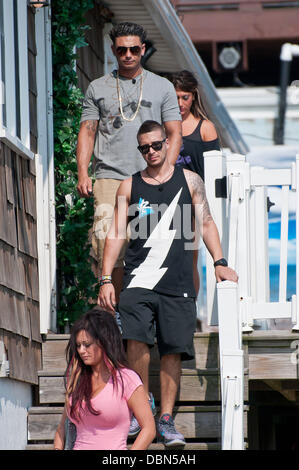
(102,327)
(186,81)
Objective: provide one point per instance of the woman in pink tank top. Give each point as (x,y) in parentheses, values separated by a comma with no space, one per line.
(102,392)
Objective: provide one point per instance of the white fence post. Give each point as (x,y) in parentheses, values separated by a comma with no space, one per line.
(259,244)
(295,301)
(45,186)
(231,366)
(238,170)
(215,169)
(284,244)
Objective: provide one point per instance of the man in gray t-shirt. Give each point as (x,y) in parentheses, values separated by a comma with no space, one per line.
(114,107)
(116,142)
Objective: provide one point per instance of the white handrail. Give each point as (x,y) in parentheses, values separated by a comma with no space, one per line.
(260,234)
(284,245)
(239,305)
(296,317)
(215,169)
(230,336)
(228,418)
(233,220)
(231,366)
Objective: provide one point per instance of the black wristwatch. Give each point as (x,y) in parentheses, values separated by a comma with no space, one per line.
(220,262)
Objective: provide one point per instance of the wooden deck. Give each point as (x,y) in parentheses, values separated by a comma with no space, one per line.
(269,365)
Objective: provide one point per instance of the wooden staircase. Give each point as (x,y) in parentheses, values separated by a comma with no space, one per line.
(198,406)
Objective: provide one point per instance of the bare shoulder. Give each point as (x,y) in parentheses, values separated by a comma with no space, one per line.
(208,131)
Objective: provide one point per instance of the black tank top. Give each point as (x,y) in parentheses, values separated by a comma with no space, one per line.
(191,153)
(159,254)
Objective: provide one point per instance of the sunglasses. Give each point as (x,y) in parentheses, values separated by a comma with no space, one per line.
(122,50)
(154,145)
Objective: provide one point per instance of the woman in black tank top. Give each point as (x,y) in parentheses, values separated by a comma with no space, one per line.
(199,133)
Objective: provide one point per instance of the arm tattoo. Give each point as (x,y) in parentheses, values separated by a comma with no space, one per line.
(197,187)
(91,126)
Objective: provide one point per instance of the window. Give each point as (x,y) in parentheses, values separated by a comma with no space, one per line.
(17,68)
(14,114)
(2,68)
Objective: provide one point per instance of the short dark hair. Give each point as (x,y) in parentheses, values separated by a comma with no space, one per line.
(149,126)
(127,29)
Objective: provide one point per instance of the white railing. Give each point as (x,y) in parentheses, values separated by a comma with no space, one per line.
(242,220)
(231,366)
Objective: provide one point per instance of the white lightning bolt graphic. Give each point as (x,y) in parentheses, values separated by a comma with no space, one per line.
(149,273)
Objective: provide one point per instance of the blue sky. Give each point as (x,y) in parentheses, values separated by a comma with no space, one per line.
(278,157)
(274,229)
(274,242)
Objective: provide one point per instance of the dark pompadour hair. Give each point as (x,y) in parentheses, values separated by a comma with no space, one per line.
(127,29)
(149,126)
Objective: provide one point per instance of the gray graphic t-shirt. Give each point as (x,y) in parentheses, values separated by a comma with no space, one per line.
(116,142)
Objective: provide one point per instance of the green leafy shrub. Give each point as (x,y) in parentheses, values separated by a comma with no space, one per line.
(74,215)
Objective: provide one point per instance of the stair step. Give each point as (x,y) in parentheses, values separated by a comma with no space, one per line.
(267,354)
(154,446)
(205,345)
(61,372)
(39,447)
(43,422)
(194,422)
(196,385)
(197,414)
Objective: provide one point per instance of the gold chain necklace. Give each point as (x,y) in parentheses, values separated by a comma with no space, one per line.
(160,182)
(120,98)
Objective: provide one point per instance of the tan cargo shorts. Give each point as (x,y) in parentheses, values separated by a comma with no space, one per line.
(104,192)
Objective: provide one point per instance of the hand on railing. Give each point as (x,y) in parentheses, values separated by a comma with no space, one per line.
(225,273)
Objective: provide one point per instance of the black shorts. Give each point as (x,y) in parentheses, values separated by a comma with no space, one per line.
(175,318)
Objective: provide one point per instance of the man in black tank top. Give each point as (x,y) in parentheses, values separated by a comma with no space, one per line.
(157,205)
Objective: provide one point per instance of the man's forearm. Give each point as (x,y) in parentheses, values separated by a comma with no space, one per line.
(111,251)
(85,146)
(175,143)
(173,131)
(84,152)
(212,240)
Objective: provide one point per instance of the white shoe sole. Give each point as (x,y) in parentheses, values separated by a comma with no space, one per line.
(133,434)
(175,442)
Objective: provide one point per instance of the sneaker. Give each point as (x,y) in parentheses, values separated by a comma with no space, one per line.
(134,426)
(168,433)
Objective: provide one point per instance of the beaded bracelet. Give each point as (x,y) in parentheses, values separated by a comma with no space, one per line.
(107,281)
